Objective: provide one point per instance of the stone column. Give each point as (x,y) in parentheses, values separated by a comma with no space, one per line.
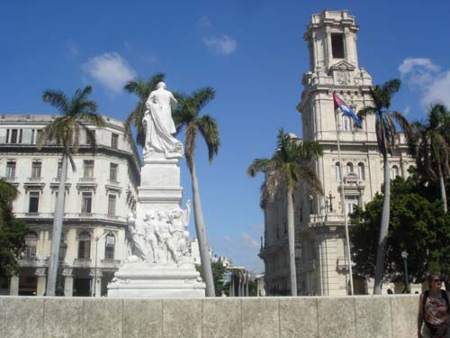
(68,282)
(41,280)
(14,285)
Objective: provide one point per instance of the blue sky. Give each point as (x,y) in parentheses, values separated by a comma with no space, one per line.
(251,51)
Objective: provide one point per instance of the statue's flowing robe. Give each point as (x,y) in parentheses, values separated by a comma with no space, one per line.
(159,125)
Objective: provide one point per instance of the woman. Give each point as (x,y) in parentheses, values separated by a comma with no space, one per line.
(434,319)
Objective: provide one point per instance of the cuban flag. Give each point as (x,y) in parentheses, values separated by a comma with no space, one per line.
(346,110)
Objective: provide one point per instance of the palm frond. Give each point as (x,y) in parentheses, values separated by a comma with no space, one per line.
(210,131)
(57,99)
(263,165)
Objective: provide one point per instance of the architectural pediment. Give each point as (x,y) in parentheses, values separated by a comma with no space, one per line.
(341,66)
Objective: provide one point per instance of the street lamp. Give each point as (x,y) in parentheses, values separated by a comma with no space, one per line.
(405,256)
(94,289)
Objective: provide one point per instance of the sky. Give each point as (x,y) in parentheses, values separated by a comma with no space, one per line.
(251,52)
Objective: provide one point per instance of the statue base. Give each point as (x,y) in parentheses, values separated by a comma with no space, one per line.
(159,263)
(138,280)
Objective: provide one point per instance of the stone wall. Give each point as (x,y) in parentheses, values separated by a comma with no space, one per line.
(361,316)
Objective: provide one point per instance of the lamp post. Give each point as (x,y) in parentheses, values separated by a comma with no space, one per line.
(405,256)
(94,289)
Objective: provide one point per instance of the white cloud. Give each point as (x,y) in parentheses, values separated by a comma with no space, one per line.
(111,70)
(406,111)
(251,242)
(225,45)
(423,75)
(204,22)
(438,91)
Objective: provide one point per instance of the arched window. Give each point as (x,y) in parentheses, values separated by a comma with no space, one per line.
(337,171)
(346,123)
(31,242)
(394,171)
(110,244)
(84,245)
(349,167)
(361,171)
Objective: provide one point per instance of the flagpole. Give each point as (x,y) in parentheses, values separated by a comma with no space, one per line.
(341,181)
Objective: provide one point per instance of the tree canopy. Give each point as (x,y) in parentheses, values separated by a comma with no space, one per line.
(12,231)
(418,224)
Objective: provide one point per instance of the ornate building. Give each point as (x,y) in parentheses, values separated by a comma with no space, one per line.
(322,267)
(101,193)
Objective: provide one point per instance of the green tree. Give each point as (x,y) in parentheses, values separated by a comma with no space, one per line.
(218,271)
(284,171)
(142,90)
(431,149)
(12,231)
(386,132)
(187,116)
(76,113)
(418,224)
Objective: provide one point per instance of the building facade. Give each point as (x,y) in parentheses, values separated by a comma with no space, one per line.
(100,194)
(322,268)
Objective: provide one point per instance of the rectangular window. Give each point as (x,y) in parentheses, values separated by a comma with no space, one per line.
(337,45)
(33,140)
(111,205)
(88,169)
(10,169)
(59,171)
(84,249)
(113,172)
(13,136)
(350,203)
(86,206)
(36,170)
(34,202)
(89,139)
(109,247)
(114,141)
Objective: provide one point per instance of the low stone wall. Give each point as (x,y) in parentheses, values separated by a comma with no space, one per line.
(360,316)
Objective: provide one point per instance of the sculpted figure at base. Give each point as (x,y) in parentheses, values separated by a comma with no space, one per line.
(161,237)
(159,124)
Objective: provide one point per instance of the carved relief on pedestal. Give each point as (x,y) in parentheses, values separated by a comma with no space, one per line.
(161,237)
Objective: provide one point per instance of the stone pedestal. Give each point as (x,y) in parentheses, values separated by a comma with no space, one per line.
(160,265)
(41,280)
(14,285)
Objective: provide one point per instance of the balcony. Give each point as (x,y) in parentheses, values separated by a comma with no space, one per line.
(82,263)
(34,179)
(110,263)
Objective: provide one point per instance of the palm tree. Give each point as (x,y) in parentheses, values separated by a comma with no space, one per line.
(186,116)
(142,90)
(8,193)
(386,132)
(430,147)
(76,113)
(284,171)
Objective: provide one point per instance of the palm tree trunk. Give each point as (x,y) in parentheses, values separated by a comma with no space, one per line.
(382,241)
(443,193)
(57,230)
(201,234)
(291,239)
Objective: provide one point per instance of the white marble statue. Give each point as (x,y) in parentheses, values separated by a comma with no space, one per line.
(179,220)
(161,237)
(159,124)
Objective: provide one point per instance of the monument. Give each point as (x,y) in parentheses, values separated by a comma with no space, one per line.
(159,264)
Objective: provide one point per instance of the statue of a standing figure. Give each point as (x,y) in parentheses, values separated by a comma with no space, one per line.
(159,124)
